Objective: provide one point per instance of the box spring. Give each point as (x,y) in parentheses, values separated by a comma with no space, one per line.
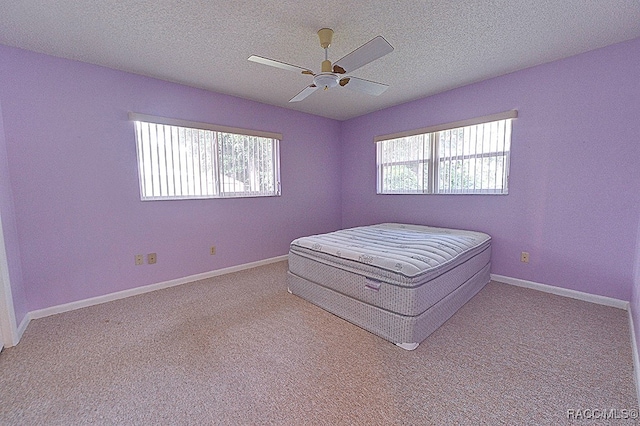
(405,331)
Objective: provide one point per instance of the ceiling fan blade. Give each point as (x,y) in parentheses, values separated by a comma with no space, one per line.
(305,92)
(278,64)
(363,86)
(368,52)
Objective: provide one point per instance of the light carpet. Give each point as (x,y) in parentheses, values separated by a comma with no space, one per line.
(239,349)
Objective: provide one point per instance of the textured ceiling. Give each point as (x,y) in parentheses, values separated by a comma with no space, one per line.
(439,45)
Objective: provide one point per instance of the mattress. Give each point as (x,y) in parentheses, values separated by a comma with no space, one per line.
(401,275)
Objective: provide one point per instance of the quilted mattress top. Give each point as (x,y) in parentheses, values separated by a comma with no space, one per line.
(409,250)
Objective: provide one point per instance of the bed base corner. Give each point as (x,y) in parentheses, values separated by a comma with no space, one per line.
(408,346)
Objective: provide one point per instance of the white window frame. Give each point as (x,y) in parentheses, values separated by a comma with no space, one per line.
(173,154)
(434,159)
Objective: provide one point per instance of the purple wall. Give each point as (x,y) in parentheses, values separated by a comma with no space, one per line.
(573,198)
(72,165)
(73,196)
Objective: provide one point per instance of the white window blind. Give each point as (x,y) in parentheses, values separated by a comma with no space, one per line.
(467,157)
(182,160)
(404,165)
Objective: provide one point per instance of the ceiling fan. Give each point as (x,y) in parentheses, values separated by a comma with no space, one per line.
(332,76)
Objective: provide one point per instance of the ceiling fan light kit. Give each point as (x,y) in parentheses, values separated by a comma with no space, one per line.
(326,80)
(332,75)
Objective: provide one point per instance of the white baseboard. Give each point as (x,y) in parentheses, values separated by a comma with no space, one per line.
(41,313)
(16,333)
(22,327)
(634,351)
(574,294)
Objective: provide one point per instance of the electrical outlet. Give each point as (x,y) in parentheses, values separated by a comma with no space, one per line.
(152,258)
(524,257)
(212,251)
(139,259)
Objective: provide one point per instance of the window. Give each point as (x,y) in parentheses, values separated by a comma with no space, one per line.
(465,157)
(181,160)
